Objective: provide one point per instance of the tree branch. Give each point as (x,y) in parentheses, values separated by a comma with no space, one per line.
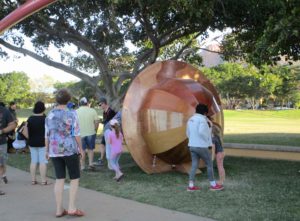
(149,31)
(77,39)
(51,63)
(186,46)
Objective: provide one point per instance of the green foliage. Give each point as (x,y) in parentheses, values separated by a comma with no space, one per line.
(14,86)
(78,89)
(238,83)
(100,32)
(265,31)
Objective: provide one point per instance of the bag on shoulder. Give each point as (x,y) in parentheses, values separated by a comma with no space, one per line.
(23,131)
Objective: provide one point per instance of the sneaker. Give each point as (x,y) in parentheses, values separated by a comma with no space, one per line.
(100,163)
(190,189)
(5,179)
(217,187)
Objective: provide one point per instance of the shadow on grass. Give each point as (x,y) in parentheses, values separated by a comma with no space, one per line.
(255,189)
(285,139)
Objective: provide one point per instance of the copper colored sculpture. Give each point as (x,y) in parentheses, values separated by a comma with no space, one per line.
(155,111)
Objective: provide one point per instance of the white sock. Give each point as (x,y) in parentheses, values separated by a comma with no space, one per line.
(212,183)
(191,184)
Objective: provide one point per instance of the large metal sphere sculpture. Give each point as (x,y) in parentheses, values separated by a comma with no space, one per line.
(155,112)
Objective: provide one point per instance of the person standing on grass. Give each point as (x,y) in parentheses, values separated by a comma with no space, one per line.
(7,124)
(219,152)
(115,139)
(11,135)
(106,130)
(199,135)
(89,123)
(36,142)
(63,146)
(108,114)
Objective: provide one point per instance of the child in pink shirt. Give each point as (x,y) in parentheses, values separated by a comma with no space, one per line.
(115,139)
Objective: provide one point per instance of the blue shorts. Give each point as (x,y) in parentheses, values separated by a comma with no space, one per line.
(88,142)
(38,155)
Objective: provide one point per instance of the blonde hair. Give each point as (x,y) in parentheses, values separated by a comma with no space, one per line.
(117,129)
(216,130)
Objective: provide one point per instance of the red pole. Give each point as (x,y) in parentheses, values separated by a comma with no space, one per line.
(22,12)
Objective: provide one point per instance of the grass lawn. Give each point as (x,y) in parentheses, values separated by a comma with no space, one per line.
(262,127)
(254,189)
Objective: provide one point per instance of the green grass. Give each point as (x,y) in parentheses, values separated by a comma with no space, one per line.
(254,189)
(262,127)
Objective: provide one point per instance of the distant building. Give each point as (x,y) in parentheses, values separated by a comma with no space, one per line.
(211,59)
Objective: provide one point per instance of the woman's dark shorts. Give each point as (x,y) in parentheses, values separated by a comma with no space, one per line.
(70,162)
(103,140)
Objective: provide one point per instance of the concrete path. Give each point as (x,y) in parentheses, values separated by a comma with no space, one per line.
(25,202)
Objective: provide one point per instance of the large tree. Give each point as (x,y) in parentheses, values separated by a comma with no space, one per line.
(14,86)
(101,30)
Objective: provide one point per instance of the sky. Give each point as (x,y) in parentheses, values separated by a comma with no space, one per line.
(35,69)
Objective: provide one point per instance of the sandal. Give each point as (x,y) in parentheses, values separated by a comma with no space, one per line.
(34,182)
(76,213)
(119,178)
(2,193)
(45,183)
(4,178)
(65,212)
(91,168)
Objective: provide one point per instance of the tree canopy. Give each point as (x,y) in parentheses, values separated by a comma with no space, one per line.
(99,34)
(14,86)
(240,84)
(267,31)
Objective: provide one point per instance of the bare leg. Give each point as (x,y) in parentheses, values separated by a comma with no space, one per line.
(43,171)
(82,161)
(115,167)
(2,170)
(72,195)
(91,157)
(221,170)
(58,191)
(33,171)
(102,151)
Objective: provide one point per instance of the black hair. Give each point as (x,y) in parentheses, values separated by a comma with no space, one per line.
(39,107)
(102,100)
(201,109)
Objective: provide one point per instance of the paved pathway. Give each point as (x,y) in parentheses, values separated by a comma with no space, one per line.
(24,202)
